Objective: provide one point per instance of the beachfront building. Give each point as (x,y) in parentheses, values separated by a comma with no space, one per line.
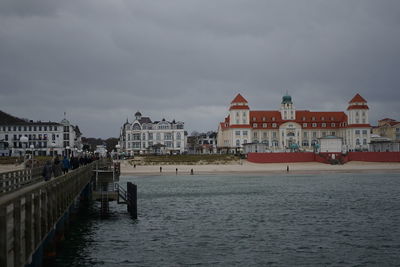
(202,143)
(289,129)
(43,138)
(388,128)
(143,136)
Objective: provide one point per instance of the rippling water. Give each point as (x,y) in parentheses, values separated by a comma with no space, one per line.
(313,220)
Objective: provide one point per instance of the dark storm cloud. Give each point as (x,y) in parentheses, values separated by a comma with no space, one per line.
(102,60)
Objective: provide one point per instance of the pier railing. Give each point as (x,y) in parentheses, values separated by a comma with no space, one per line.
(30,213)
(11,181)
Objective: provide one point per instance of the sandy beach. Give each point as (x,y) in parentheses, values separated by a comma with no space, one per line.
(254,168)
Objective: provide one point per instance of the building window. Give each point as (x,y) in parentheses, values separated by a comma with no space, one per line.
(244,133)
(255,134)
(357,141)
(305,134)
(265,134)
(364,132)
(364,141)
(324,125)
(333,124)
(237,133)
(357,132)
(332,118)
(333,133)
(254,118)
(314,134)
(323,134)
(264,125)
(275,143)
(273,118)
(237,121)
(274,134)
(150,136)
(322,118)
(314,124)
(305,142)
(158,136)
(254,125)
(178,136)
(264,119)
(313,118)
(274,125)
(237,142)
(245,141)
(304,125)
(244,121)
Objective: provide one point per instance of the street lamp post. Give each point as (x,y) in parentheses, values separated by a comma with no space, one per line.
(118,146)
(32,147)
(53,145)
(67,151)
(24,140)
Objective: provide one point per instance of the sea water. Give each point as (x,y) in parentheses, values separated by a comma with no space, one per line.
(244,220)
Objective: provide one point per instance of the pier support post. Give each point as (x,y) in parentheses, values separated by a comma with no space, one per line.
(132,199)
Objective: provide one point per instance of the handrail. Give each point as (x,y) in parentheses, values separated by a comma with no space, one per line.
(43,204)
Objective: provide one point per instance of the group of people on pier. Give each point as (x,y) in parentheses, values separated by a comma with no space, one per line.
(58,166)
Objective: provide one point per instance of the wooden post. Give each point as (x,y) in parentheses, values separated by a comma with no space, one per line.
(4,236)
(132,199)
(17,233)
(28,225)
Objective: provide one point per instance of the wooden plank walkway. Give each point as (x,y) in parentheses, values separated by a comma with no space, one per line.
(28,214)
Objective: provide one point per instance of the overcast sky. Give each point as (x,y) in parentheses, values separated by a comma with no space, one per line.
(102,60)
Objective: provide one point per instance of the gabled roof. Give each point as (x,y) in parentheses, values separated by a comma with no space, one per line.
(239,99)
(357,99)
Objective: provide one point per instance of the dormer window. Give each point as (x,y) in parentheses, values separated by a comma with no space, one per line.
(273,118)
(332,118)
(313,118)
(304,118)
(254,125)
(264,119)
(322,118)
(254,118)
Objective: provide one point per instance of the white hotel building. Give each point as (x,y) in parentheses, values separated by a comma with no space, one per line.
(279,130)
(143,136)
(46,138)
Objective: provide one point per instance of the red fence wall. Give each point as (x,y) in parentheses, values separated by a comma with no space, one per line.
(280,157)
(375,156)
(322,157)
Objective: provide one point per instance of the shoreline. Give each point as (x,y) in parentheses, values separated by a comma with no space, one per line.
(257,168)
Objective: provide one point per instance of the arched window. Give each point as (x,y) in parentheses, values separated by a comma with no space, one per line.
(238,142)
(305,143)
(178,136)
(357,141)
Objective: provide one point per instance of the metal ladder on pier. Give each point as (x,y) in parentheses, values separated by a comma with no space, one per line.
(122,194)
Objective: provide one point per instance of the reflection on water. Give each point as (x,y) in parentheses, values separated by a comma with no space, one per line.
(334,219)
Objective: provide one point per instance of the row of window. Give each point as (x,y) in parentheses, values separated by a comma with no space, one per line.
(150,136)
(35,144)
(159,127)
(138,145)
(36,137)
(29,128)
(305,125)
(364,132)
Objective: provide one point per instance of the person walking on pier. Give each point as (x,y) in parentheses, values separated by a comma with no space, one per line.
(47,171)
(66,165)
(57,166)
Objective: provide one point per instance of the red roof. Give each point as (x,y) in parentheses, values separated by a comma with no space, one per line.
(239,99)
(239,107)
(358,107)
(357,99)
(387,119)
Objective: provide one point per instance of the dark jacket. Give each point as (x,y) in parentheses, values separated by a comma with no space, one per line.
(47,171)
(66,164)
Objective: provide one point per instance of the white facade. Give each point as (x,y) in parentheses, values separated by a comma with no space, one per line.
(286,128)
(331,144)
(47,138)
(144,136)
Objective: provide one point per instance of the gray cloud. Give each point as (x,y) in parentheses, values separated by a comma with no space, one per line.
(102,60)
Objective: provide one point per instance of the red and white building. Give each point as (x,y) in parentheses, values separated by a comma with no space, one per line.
(283,129)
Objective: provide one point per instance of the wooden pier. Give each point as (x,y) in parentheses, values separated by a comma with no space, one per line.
(34,213)
(31,217)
